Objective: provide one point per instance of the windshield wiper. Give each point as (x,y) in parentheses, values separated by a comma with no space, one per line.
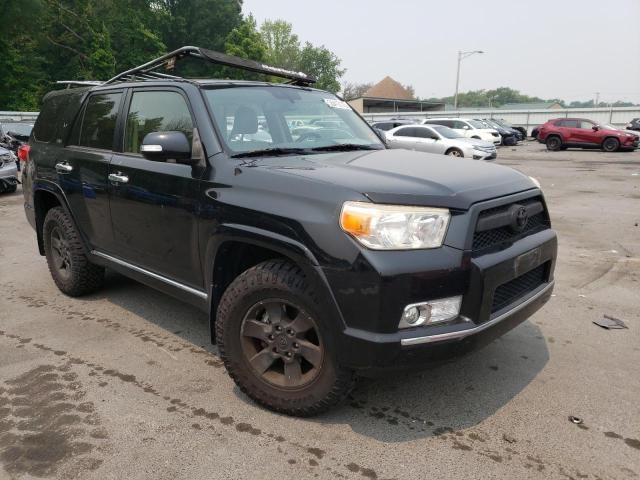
(270,151)
(344,147)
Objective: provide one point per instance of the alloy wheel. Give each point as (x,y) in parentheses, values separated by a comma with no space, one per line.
(60,252)
(281,343)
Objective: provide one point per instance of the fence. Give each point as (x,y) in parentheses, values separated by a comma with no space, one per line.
(18,116)
(617,116)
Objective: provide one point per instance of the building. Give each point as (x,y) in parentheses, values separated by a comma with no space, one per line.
(389,96)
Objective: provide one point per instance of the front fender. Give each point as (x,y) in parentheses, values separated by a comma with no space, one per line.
(283,246)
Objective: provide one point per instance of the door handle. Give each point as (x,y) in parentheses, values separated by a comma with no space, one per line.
(118,177)
(63,167)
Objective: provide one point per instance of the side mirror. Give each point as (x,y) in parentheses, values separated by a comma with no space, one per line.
(596,128)
(166,147)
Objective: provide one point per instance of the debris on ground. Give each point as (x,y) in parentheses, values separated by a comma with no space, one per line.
(508,438)
(576,420)
(610,323)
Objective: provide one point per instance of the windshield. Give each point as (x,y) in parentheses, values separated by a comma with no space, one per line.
(446,132)
(606,126)
(504,123)
(255,118)
(19,128)
(477,124)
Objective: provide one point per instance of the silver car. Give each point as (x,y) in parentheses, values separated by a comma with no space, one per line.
(8,171)
(440,139)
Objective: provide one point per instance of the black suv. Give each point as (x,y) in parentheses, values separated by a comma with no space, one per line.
(318,256)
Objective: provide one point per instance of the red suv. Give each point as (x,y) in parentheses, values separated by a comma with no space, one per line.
(562,133)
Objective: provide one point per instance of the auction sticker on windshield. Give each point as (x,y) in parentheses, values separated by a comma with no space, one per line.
(335,103)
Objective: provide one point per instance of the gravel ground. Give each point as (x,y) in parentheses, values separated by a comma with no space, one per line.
(124,384)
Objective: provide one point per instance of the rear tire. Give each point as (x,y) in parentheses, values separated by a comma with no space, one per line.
(554,143)
(70,268)
(275,343)
(454,152)
(610,144)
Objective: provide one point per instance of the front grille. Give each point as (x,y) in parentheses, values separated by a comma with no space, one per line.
(494,225)
(509,292)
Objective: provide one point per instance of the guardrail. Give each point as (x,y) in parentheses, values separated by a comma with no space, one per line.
(18,116)
(617,116)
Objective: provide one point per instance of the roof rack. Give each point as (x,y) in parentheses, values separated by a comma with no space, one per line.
(79,83)
(148,71)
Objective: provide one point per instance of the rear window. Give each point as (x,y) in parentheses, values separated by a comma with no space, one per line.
(44,129)
(98,123)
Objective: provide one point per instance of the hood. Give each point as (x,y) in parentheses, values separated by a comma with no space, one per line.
(404,177)
(476,143)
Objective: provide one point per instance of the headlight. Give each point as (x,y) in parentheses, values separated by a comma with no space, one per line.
(391,227)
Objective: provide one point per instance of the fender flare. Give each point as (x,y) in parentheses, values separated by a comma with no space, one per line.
(42,185)
(281,244)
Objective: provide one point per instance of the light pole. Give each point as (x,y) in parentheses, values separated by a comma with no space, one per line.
(461,56)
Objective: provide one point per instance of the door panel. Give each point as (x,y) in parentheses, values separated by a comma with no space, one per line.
(154,205)
(83,166)
(154,216)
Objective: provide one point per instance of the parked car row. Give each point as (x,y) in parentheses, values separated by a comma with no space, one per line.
(563,133)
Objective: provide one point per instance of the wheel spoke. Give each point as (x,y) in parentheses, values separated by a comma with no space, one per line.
(312,353)
(254,329)
(55,243)
(302,323)
(274,312)
(262,360)
(292,373)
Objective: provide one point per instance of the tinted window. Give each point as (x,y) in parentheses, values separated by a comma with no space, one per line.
(99,121)
(586,125)
(424,132)
(459,125)
(567,123)
(383,126)
(45,127)
(405,132)
(156,112)
(446,123)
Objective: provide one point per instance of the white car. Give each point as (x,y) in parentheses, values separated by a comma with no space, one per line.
(467,127)
(439,139)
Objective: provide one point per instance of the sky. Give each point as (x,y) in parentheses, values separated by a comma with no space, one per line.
(567,49)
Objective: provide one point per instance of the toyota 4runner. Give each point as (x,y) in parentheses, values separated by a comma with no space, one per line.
(318,253)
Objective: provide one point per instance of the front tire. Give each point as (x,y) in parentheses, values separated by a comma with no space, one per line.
(275,344)
(554,143)
(610,145)
(70,268)
(454,152)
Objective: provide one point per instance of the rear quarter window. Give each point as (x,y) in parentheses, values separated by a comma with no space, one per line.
(47,122)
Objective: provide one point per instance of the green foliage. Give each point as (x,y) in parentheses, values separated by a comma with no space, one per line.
(322,64)
(284,50)
(42,41)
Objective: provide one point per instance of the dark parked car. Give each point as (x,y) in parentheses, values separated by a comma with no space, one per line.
(509,136)
(317,258)
(563,133)
(13,135)
(634,125)
(521,130)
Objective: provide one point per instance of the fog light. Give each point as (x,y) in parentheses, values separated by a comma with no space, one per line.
(429,313)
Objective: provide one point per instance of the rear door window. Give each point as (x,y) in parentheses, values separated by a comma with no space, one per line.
(405,132)
(98,124)
(156,111)
(424,133)
(567,123)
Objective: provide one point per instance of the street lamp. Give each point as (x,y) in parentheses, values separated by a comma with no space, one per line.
(461,56)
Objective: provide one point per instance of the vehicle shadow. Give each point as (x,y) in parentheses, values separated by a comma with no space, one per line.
(407,406)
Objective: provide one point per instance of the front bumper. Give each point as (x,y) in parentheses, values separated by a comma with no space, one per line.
(384,347)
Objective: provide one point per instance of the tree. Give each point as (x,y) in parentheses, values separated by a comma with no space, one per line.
(283,46)
(245,41)
(354,90)
(323,65)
